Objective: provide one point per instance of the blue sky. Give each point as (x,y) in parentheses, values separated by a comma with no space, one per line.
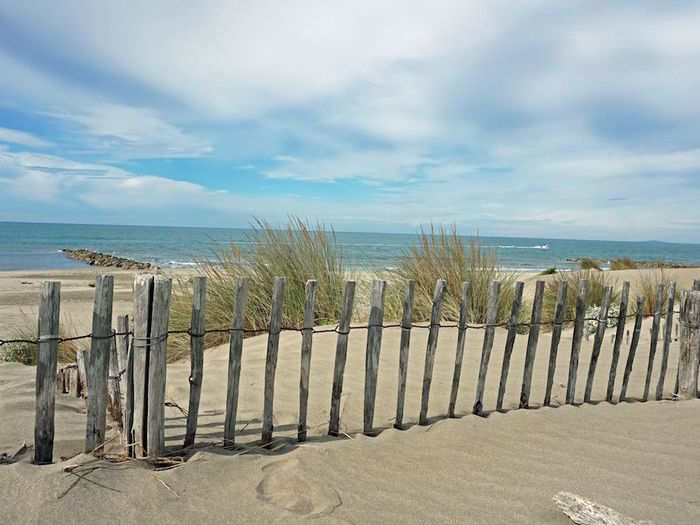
(546,119)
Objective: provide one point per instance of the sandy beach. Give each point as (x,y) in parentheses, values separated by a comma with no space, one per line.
(639,458)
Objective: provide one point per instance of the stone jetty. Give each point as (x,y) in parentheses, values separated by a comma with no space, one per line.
(105,260)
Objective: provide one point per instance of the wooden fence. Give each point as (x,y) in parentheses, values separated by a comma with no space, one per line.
(132,358)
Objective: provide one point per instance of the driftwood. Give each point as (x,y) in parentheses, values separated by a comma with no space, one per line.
(586,512)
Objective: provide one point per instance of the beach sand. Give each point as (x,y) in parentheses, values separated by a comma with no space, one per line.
(641,459)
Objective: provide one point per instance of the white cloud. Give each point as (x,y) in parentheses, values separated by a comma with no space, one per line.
(22,138)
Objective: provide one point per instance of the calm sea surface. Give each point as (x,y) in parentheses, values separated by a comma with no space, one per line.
(26,246)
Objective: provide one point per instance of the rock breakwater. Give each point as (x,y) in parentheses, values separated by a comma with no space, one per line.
(105,260)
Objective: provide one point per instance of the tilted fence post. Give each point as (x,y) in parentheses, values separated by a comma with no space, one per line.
(435,316)
(197,327)
(690,347)
(373,350)
(273,340)
(47,356)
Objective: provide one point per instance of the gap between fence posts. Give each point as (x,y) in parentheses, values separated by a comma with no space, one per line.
(435,316)
(489,331)
(46,362)
(510,341)
(100,348)
(143,299)
(598,341)
(373,351)
(273,340)
(404,345)
(576,341)
(532,340)
(305,366)
(81,359)
(556,337)
(654,338)
(157,365)
(114,398)
(235,353)
(197,329)
(619,333)
(633,347)
(459,353)
(341,353)
(690,347)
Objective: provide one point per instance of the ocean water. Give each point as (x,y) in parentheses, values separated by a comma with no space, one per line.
(33,246)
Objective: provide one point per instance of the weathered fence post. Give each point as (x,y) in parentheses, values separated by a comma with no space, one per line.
(433,333)
(157,365)
(532,339)
(619,333)
(235,352)
(690,347)
(633,347)
(404,345)
(122,340)
(576,341)
(654,337)
(489,331)
(341,354)
(82,360)
(273,340)
(598,341)
(459,353)
(305,368)
(556,337)
(373,351)
(668,333)
(47,357)
(114,397)
(100,348)
(140,347)
(197,328)
(510,341)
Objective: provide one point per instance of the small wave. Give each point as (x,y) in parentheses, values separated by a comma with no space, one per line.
(182,263)
(513,247)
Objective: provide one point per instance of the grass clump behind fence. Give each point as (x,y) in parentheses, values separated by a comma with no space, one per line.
(25,352)
(648,281)
(299,252)
(441,254)
(597,281)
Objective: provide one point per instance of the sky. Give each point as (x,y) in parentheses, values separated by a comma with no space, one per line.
(543,119)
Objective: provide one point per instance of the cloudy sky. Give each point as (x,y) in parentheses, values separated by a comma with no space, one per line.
(547,119)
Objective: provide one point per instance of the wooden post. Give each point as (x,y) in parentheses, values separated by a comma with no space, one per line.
(510,341)
(556,337)
(576,342)
(459,354)
(101,342)
(690,347)
(696,285)
(532,339)
(433,333)
(157,365)
(143,299)
(668,333)
(47,357)
(305,369)
(404,344)
(619,334)
(74,381)
(129,400)
(235,352)
(633,347)
(82,359)
(654,337)
(273,339)
(122,349)
(341,353)
(197,328)
(114,398)
(598,341)
(373,351)
(489,330)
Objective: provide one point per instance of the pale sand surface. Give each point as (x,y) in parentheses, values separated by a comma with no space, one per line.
(642,459)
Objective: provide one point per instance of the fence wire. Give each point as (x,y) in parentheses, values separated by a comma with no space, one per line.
(314,330)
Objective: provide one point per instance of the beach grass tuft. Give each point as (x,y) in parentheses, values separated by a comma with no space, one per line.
(597,281)
(648,281)
(26,353)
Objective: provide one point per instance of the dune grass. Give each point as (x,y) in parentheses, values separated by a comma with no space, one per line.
(648,281)
(597,281)
(441,254)
(26,353)
(299,252)
(623,263)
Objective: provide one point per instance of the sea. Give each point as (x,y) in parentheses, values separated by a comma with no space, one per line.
(38,246)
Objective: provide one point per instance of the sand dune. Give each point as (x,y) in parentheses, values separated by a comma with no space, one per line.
(640,458)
